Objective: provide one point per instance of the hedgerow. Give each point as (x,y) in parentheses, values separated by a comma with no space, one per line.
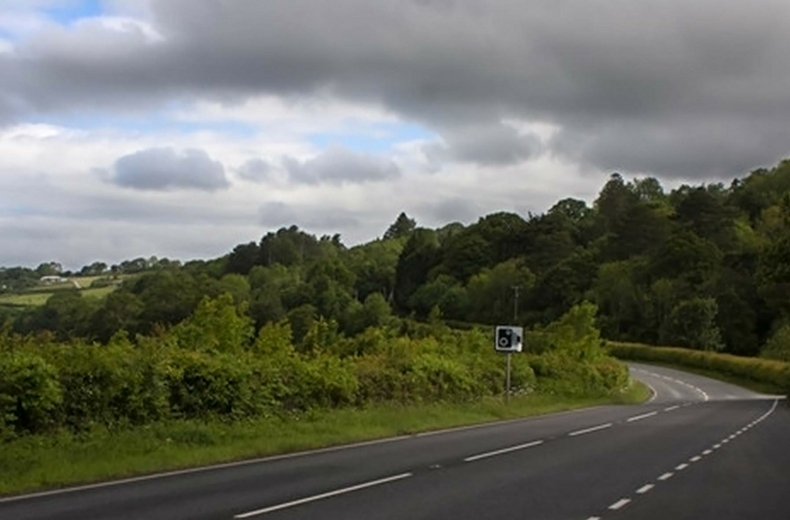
(767,371)
(211,366)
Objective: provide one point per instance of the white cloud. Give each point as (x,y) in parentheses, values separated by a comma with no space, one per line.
(522,103)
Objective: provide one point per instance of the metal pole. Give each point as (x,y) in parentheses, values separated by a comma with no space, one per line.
(507,380)
(515,319)
(515,305)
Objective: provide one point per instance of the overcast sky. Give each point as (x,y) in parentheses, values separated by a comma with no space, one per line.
(181,128)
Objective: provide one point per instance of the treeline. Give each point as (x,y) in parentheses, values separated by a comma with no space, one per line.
(214,365)
(704,267)
(15,279)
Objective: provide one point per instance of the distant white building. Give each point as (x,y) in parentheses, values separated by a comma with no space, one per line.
(50,280)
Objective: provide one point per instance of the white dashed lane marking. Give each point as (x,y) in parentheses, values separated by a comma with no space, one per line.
(620,503)
(503,451)
(640,417)
(644,489)
(590,430)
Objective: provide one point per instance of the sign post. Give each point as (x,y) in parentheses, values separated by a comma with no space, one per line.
(508,339)
(507,380)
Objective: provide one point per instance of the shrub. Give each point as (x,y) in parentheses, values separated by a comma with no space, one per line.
(201,384)
(29,393)
(109,384)
(557,373)
(778,346)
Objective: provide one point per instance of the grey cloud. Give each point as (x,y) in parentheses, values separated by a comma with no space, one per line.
(164,168)
(654,68)
(338,166)
(454,209)
(495,144)
(255,170)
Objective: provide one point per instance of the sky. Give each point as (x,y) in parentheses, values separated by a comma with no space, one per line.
(180,128)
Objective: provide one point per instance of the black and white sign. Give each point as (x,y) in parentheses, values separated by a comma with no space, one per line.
(509,338)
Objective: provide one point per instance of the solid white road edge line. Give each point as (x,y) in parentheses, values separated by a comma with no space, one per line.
(502,451)
(329,494)
(590,430)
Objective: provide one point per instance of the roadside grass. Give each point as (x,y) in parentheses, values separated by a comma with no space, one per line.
(49,461)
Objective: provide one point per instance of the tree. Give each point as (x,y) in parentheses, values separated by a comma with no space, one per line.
(49,269)
(573,209)
(402,227)
(703,211)
(120,310)
(374,265)
(94,269)
(301,319)
(620,299)
(685,255)
(491,291)
(466,254)
(243,258)
(216,326)
(419,256)
(692,324)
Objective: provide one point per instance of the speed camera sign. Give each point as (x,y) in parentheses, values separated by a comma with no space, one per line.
(509,338)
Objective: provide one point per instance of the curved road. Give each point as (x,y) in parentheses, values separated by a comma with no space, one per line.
(699,449)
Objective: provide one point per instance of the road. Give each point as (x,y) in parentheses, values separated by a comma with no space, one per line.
(699,449)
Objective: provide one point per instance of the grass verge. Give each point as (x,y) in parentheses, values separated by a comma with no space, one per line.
(48,461)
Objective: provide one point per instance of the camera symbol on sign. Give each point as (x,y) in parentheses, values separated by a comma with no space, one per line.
(509,339)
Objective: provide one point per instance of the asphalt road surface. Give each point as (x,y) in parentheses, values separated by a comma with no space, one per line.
(700,449)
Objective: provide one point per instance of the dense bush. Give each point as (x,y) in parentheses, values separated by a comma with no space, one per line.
(29,393)
(778,346)
(209,365)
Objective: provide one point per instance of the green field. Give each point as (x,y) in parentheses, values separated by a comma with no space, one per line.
(31,299)
(38,296)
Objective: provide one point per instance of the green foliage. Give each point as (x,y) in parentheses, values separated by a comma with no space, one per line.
(778,346)
(109,384)
(402,226)
(208,366)
(201,384)
(216,325)
(29,393)
(692,323)
(274,339)
(491,293)
(576,334)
